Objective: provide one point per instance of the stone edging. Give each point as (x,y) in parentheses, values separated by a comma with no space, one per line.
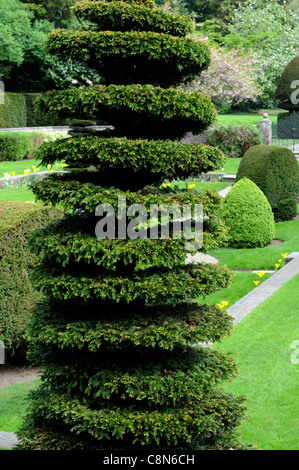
(250,301)
(17,179)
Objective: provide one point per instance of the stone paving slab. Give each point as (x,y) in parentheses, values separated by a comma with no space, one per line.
(254,298)
(8,440)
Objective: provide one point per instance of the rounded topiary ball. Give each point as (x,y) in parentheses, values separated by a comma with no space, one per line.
(248,215)
(275,171)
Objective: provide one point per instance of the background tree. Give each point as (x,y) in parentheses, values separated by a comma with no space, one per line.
(231,80)
(272,32)
(58,12)
(119,337)
(15,31)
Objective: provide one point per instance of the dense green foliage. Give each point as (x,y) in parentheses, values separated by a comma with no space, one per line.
(275,171)
(119,158)
(125,16)
(13,111)
(19,110)
(57,11)
(18,297)
(271,30)
(144,111)
(235,140)
(249,216)
(16,146)
(122,310)
(122,58)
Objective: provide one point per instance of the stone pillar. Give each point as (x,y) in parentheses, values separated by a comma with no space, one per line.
(265,127)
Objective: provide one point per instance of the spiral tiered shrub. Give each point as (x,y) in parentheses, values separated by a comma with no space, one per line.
(120,339)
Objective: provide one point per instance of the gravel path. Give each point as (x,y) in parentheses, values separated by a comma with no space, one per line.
(10,375)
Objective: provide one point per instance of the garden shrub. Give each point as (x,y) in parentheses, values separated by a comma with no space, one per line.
(116,332)
(235,140)
(16,146)
(248,215)
(17,295)
(275,171)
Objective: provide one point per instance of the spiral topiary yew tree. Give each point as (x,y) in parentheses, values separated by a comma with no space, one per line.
(120,338)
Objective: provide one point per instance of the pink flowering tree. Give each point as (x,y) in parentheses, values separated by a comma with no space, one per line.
(231,78)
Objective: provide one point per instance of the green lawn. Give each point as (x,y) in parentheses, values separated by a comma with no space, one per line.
(262,258)
(230,167)
(241,284)
(23,194)
(214,186)
(262,344)
(246,118)
(19,167)
(13,404)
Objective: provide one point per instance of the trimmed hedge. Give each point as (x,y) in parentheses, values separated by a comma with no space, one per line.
(134,56)
(13,111)
(19,110)
(275,171)
(249,216)
(16,146)
(125,16)
(17,295)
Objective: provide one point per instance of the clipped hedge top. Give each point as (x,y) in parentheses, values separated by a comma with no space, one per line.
(266,152)
(127,16)
(15,213)
(135,108)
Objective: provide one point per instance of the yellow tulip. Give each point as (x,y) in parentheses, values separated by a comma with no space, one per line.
(277,265)
(223,303)
(190,186)
(256,282)
(261,273)
(284,255)
(13,173)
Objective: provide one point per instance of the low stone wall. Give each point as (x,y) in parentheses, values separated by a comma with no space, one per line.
(18,180)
